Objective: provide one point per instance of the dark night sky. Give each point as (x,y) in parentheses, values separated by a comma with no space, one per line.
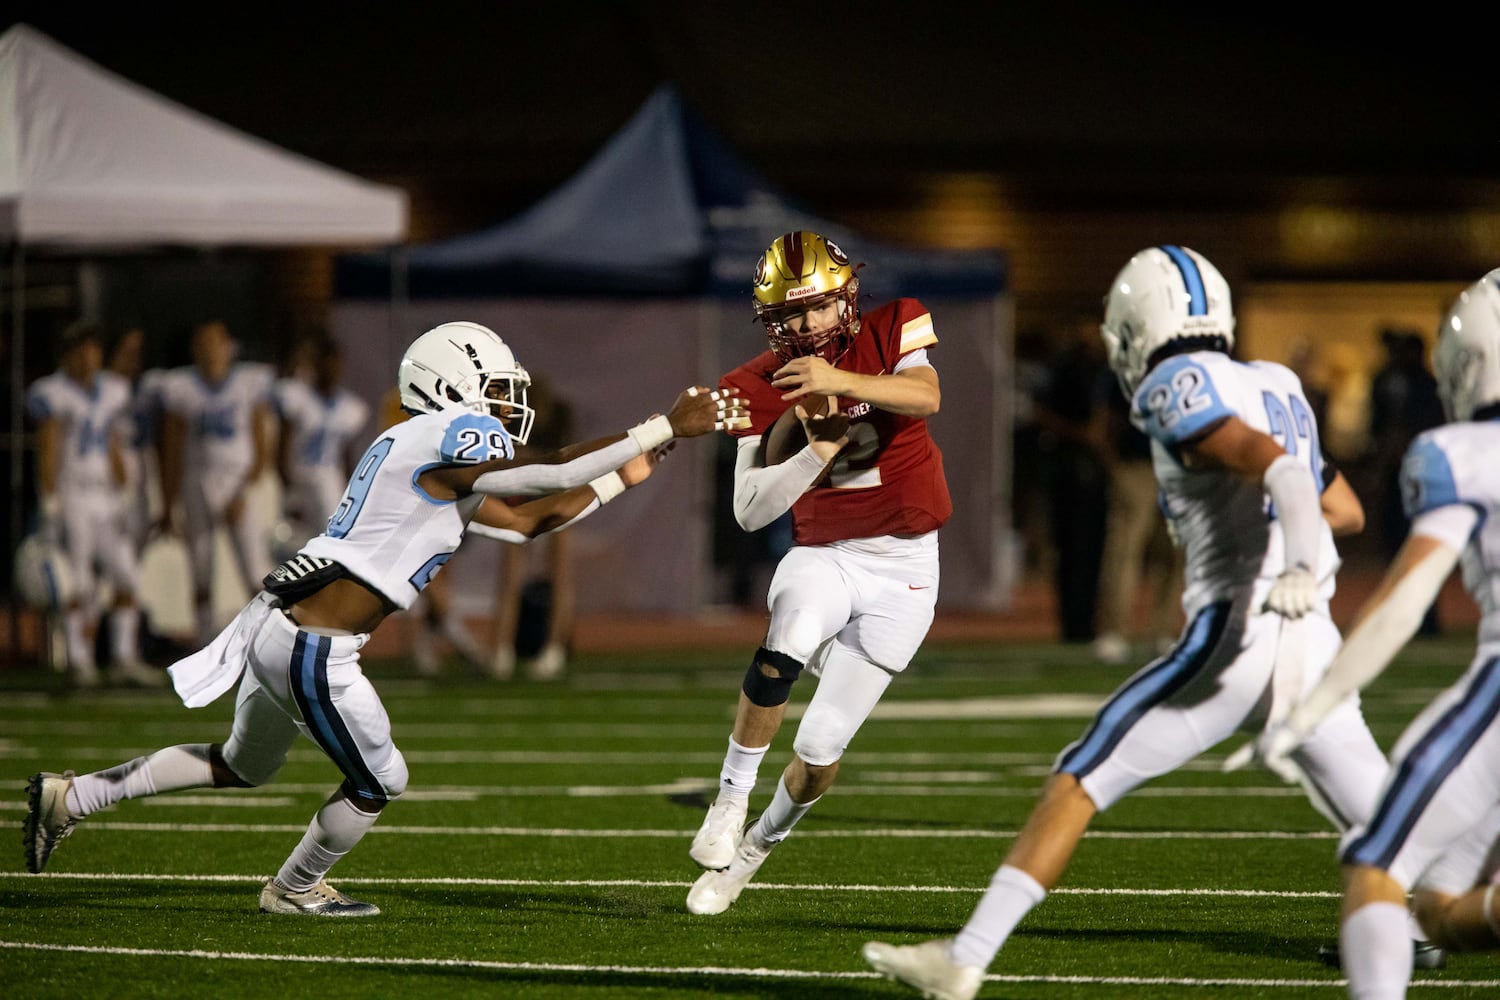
(840,104)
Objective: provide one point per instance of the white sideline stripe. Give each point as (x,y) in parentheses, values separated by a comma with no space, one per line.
(532,831)
(700,970)
(631,883)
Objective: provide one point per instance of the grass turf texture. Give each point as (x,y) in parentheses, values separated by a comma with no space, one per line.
(542,848)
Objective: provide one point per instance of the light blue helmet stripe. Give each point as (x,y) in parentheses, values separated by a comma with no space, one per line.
(1192,278)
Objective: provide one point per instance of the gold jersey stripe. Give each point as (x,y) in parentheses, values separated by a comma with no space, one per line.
(917,333)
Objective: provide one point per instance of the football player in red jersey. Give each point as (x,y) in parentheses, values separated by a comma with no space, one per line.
(853,598)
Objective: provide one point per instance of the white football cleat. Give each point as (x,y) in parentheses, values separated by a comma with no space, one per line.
(549,663)
(716,891)
(714,844)
(322,900)
(48,819)
(926,967)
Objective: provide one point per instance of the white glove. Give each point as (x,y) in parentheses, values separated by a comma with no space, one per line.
(1294,593)
(1272,750)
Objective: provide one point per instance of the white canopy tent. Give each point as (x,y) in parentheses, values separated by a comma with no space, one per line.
(92,162)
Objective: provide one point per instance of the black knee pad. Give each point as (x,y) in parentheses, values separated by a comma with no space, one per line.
(768,692)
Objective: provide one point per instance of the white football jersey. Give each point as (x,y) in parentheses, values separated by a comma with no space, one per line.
(1455,464)
(1222,520)
(388,532)
(321,427)
(219,445)
(89,418)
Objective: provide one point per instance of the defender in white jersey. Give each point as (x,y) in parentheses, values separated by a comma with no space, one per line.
(294,649)
(1437,825)
(320,420)
(213,449)
(79,412)
(1236,453)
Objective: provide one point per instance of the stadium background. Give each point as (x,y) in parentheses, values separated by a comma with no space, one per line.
(1341,172)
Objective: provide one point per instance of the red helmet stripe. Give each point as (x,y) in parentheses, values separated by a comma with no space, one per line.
(792,243)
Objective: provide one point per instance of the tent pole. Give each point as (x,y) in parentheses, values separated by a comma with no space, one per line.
(17,437)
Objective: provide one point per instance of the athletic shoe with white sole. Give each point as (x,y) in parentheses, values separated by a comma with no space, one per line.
(322,900)
(714,844)
(926,967)
(48,819)
(716,891)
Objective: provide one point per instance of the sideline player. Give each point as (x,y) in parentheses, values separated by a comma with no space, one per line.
(214,449)
(1226,437)
(1437,826)
(80,412)
(404,511)
(320,420)
(852,600)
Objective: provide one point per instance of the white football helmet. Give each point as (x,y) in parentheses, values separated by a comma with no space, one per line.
(1164,294)
(1466,360)
(468,366)
(44,579)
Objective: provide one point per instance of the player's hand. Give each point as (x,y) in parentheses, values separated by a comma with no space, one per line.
(700,411)
(639,469)
(1272,750)
(1294,593)
(804,376)
(831,426)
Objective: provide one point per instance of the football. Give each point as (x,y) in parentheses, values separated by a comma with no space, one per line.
(786,437)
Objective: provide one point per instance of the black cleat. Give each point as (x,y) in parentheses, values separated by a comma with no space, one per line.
(1424,955)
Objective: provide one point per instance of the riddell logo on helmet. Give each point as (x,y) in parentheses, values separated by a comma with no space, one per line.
(793,294)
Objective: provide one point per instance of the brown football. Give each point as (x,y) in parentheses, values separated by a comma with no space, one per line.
(786,437)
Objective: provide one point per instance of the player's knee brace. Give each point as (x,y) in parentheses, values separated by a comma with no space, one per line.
(765,691)
(823,736)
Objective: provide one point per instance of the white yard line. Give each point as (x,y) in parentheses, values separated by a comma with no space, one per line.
(702,970)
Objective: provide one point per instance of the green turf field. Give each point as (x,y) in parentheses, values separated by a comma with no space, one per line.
(541,850)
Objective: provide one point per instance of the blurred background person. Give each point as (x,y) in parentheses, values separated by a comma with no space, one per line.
(79,413)
(1403,403)
(214,448)
(1072,417)
(321,427)
(534,614)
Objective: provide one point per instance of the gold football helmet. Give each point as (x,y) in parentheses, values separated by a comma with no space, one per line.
(800,271)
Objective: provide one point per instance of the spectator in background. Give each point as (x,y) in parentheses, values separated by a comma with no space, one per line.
(1136,539)
(80,412)
(551,596)
(214,448)
(1030,458)
(1403,403)
(321,426)
(1073,419)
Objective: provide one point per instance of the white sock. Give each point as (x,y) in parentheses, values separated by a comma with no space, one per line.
(333,832)
(169,770)
(75,631)
(741,765)
(1375,947)
(780,816)
(123,627)
(1011,895)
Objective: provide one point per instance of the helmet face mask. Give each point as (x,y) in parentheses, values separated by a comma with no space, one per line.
(466,366)
(1162,296)
(1466,361)
(798,277)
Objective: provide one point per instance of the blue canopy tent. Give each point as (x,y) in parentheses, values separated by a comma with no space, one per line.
(631,281)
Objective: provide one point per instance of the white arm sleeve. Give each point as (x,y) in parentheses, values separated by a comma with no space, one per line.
(540,480)
(1378,638)
(517,538)
(762,494)
(1292,489)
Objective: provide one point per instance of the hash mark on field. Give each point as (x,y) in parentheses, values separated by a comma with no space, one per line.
(705,970)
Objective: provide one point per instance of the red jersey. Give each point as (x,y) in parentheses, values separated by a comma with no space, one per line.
(889,479)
